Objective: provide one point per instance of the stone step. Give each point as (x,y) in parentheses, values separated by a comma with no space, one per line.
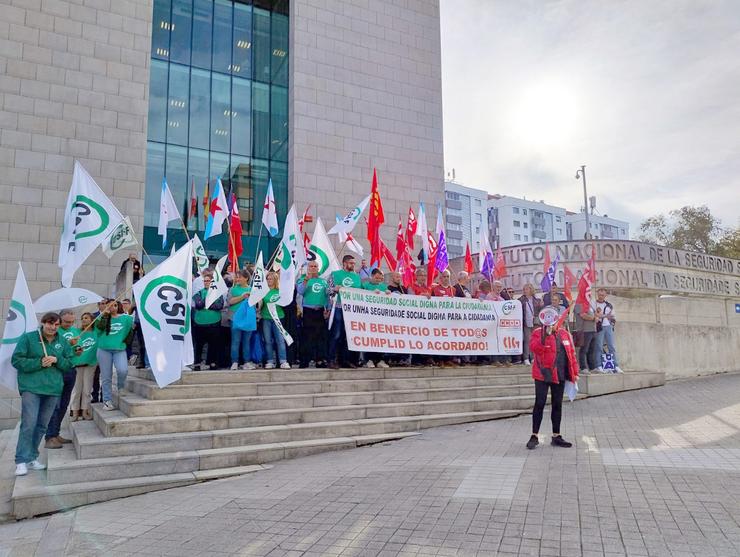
(118,424)
(90,442)
(65,468)
(149,389)
(134,405)
(300,375)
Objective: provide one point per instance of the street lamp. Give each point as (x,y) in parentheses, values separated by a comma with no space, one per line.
(581,173)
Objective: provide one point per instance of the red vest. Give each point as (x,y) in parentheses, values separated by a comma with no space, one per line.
(545,353)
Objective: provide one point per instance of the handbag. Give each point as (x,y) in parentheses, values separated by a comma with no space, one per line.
(245,318)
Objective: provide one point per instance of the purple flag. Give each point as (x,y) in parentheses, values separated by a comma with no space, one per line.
(442,261)
(549,278)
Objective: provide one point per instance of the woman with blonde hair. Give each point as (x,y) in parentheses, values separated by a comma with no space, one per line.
(270,329)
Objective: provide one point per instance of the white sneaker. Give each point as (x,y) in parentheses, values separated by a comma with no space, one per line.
(249,365)
(234,366)
(618,370)
(269,365)
(382,363)
(285,365)
(369,364)
(527,363)
(604,370)
(21,469)
(36,465)
(311,365)
(108,405)
(598,369)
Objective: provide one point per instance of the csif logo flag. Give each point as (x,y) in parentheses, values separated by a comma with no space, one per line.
(199,252)
(259,282)
(121,237)
(347,224)
(89,219)
(322,251)
(291,257)
(21,319)
(163,299)
(218,285)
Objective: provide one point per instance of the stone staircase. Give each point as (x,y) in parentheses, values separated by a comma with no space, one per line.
(216,424)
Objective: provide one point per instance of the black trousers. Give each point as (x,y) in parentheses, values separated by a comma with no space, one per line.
(556,401)
(56,418)
(313,339)
(210,335)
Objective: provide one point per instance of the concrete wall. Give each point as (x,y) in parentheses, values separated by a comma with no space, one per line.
(684,337)
(74,81)
(365,91)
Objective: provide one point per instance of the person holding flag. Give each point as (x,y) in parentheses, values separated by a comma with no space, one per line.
(207,323)
(315,293)
(115,330)
(271,312)
(338,351)
(243,321)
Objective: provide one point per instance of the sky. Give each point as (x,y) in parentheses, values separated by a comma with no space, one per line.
(646,94)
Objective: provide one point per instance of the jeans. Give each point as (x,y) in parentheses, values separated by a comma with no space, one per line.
(56,419)
(36,411)
(588,356)
(270,331)
(240,338)
(106,360)
(556,401)
(526,337)
(606,334)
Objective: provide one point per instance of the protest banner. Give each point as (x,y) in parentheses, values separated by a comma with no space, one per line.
(400,324)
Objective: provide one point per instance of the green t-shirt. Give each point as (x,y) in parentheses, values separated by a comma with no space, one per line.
(272,297)
(120,327)
(370,286)
(206,316)
(235,291)
(315,294)
(346,279)
(89,344)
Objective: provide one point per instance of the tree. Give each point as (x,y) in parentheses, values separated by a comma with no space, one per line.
(692,229)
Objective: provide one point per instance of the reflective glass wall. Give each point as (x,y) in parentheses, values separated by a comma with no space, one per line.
(218,108)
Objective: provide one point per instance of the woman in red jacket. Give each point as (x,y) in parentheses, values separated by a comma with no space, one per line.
(554,363)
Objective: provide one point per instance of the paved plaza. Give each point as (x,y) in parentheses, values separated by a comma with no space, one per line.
(652,473)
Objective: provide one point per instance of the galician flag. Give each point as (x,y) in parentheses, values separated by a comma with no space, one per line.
(218,285)
(485,255)
(20,320)
(89,219)
(322,251)
(218,211)
(199,252)
(269,212)
(290,258)
(347,224)
(167,211)
(163,301)
(442,261)
(259,282)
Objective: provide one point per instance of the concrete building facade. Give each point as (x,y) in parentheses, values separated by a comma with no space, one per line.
(466,212)
(602,227)
(514,221)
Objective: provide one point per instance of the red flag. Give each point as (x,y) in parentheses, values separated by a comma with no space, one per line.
(301,222)
(568,282)
(499,267)
(193,217)
(547,262)
(206,200)
(388,256)
(375,219)
(407,268)
(432,264)
(400,240)
(468,259)
(587,279)
(411,229)
(235,234)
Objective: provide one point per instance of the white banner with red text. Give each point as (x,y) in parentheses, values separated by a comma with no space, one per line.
(401,324)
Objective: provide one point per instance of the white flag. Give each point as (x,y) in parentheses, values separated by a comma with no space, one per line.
(347,224)
(291,257)
(219,210)
(349,241)
(218,285)
(121,237)
(89,219)
(167,211)
(269,212)
(322,251)
(424,233)
(163,301)
(199,252)
(21,319)
(259,282)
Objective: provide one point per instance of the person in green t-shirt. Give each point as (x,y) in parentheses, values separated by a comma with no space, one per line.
(115,331)
(85,360)
(315,306)
(376,283)
(241,339)
(270,331)
(338,351)
(207,325)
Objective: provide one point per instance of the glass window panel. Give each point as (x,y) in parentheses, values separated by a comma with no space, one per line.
(219,168)
(200,108)
(261,45)
(220,112)
(154,173)
(280,49)
(177,177)
(242,46)
(198,171)
(177,105)
(279,124)
(279,175)
(182,20)
(161,29)
(241,115)
(259,179)
(202,33)
(222,36)
(241,183)
(260,121)
(157,124)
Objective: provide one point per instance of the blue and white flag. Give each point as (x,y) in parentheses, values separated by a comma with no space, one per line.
(549,279)
(218,211)
(485,255)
